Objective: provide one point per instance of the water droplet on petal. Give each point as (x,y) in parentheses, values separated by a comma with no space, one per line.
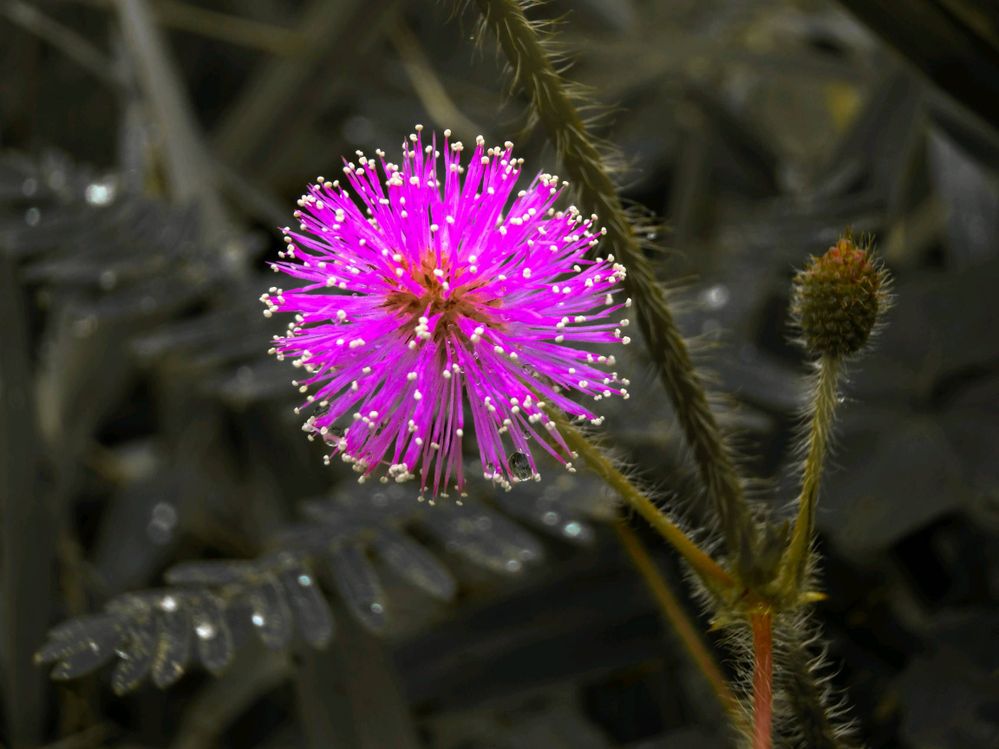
(520,466)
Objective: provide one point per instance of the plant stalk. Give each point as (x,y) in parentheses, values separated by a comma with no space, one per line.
(713,574)
(535,73)
(674,613)
(797,558)
(763,691)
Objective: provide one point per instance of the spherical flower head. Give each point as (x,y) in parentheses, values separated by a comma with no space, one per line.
(837,299)
(437,303)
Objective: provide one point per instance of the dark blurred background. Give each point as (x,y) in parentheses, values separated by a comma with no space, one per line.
(148,150)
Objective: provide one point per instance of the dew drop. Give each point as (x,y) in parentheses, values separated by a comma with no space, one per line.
(715,297)
(205,630)
(520,466)
(99,193)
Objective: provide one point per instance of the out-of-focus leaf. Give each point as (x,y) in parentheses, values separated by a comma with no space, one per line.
(80,662)
(73,632)
(211,631)
(136,654)
(483,537)
(271,615)
(311,611)
(357,582)
(414,563)
(81,645)
(173,645)
(211,572)
(559,507)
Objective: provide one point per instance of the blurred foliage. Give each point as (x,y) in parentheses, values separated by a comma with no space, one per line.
(151,465)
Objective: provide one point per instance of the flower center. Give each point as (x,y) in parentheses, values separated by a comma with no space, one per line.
(442,293)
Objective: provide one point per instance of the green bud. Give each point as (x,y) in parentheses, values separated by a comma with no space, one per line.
(837,299)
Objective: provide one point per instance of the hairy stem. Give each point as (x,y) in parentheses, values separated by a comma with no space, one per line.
(808,696)
(535,73)
(763,690)
(675,614)
(713,574)
(797,559)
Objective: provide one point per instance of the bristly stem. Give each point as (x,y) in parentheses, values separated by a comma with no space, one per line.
(675,614)
(808,698)
(535,73)
(713,574)
(797,558)
(763,690)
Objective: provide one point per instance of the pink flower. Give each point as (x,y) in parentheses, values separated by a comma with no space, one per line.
(428,312)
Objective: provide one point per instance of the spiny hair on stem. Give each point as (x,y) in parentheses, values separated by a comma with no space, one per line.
(811,713)
(556,61)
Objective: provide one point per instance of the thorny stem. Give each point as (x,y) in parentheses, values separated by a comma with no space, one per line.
(713,575)
(675,614)
(535,73)
(797,558)
(763,689)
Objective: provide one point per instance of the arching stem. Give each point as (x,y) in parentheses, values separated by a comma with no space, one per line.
(714,576)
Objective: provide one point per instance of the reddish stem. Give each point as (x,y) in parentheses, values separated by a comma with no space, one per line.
(763,692)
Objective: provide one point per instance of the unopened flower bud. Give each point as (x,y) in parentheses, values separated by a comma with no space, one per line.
(837,299)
